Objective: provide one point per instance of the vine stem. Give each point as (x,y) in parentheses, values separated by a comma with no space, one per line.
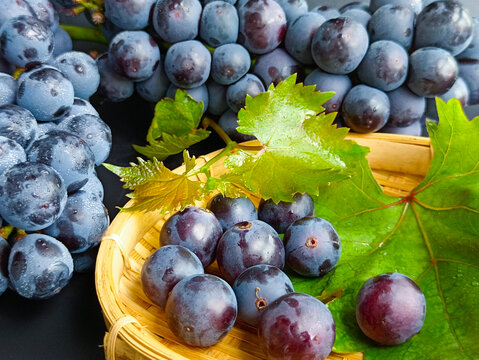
(85,34)
(222,134)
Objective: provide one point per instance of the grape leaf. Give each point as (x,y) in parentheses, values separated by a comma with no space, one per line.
(155,187)
(301,149)
(432,236)
(174,127)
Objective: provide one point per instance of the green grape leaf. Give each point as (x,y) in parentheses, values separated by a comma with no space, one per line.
(155,187)
(300,148)
(174,127)
(431,235)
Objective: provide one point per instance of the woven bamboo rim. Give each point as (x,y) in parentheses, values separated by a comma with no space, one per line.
(137,329)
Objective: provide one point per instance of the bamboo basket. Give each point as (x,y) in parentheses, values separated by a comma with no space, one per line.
(137,329)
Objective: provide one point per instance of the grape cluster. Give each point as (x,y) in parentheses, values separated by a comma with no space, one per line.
(51,139)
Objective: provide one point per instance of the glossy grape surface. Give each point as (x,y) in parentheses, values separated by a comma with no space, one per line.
(13,8)
(219,23)
(79,107)
(216,98)
(177,20)
(229,63)
(469,71)
(472,51)
(293,9)
(406,107)
(154,88)
(236,93)
(94,186)
(459,91)
(230,211)
(18,124)
(11,153)
(276,66)
(129,14)
(4,253)
(8,89)
(113,87)
(63,42)
(415,5)
(359,15)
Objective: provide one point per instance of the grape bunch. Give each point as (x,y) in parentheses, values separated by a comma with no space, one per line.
(51,140)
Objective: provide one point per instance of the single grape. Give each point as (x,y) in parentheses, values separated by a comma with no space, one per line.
(327,12)
(390,308)
(194,228)
(129,14)
(256,288)
(39,266)
(18,124)
(217,104)
(458,91)
(444,24)
(236,94)
(283,214)
(296,326)
(406,107)
(339,45)
(230,211)
(165,268)
(177,20)
(469,72)
(355,5)
(44,11)
(63,42)
(10,9)
(415,129)
(339,84)
(201,309)
(432,71)
(219,23)
(79,107)
(154,88)
(472,51)
(8,89)
(4,253)
(94,186)
(32,196)
(84,262)
(200,94)
(45,126)
(229,123)
(112,86)
(262,25)
(359,15)
(246,244)
(229,63)
(11,153)
(276,66)
(187,64)
(414,5)
(293,9)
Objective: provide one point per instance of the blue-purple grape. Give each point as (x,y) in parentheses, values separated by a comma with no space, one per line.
(359,15)
(297,326)
(94,186)
(246,244)
(79,107)
(63,42)
(414,5)
(276,66)
(327,12)
(44,11)
(390,308)
(217,104)
(11,153)
(236,93)
(154,88)
(469,72)
(354,5)
(219,23)
(165,268)
(293,9)
(201,309)
(84,262)
(458,91)
(4,253)
(472,51)
(199,94)
(229,123)
(196,229)
(113,86)
(283,214)
(110,30)
(230,211)
(256,288)
(12,8)
(129,14)
(8,89)
(229,63)
(406,107)
(39,266)
(18,124)
(415,129)
(177,20)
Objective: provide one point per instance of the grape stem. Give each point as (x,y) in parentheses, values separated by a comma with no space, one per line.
(85,33)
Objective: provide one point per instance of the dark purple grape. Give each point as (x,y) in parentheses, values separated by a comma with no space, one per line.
(390,308)
(415,5)
(18,124)
(293,9)
(283,214)
(247,244)
(445,24)
(366,109)
(339,45)
(219,23)
(406,107)
(229,123)
(262,25)
(469,72)
(217,104)
(276,66)
(297,326)
(129,14)
(359,15)
(327,12)
(230,211)
(154,88)
(165,268)
(229,63)
(472,51)
(256,288)
(177,20)
(432,71)
(312,246)
(201,309)
(236,93)
(458,91)
(113,86)
(196,229)
(4,253)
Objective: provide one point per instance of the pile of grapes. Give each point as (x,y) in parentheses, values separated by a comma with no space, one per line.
(51,139)
(201,308)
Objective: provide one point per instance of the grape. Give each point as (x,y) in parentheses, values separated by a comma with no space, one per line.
(256,288)
(236,94)
(18,124)
(112,86)
(25,40)
(11,153)
(44,11)
(276,66)
(406,107)
(39,266)
(84,262)
(219,23)
(46,92)
(472,51)
(44,127)
(199,94)
(339,84)
(312,246)
(293,9)
(165,268)
(194,228)
(4,253)
(217,98)
(469,71)
(355,5)
(300,34)
(393,22)
(154,88)
(10,9)
(82,223)
(365,109)
(327,12)
(246,244)
(415,5)
(33,196)
(8,89)
(229,122)
(79,107)
(201,309)
(390,308)
(415,129)
(359,15)
(384,66)
(444,24)
(458,91)
(94,186)
(296,326)
(93,131)
(63,42)
(262,25)
(129,14)
(339,45)
(67,154)
(110,30)
(187,64)
(432,71)
(283,214)
(229,63)
(6,67)
(134,54)
(230,211)
(177,20)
